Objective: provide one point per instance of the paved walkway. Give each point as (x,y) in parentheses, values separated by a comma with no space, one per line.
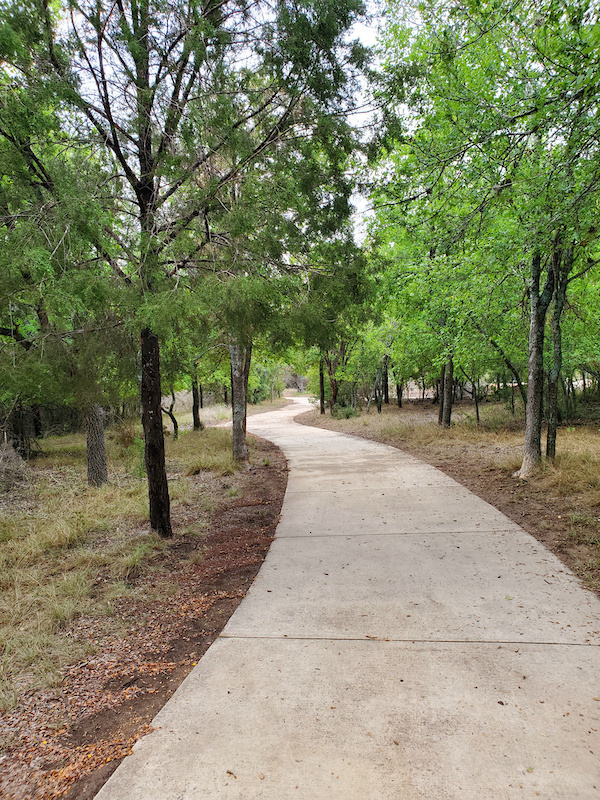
(402,640)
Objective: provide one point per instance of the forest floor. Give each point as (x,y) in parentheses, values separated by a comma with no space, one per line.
(64,737)
(560,507)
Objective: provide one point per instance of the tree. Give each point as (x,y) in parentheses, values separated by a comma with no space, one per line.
(504,107)
(183,100)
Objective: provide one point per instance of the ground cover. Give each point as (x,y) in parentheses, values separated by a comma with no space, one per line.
(100,620)
(560,507)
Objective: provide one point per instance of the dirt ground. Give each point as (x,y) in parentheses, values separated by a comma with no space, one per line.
(566,522)
(67,742)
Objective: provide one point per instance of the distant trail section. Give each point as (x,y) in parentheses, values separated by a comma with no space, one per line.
(403,639)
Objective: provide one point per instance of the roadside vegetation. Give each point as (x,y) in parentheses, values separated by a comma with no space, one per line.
(69,550)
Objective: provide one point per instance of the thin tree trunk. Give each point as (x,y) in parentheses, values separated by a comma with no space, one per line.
(441,392)
(158,489)
(240,364)
(532,449)
(562,263)
(386,381)
(448,392)
(513,370)
(321,387)
(572,396)
(332,366)
(198,425)
(476,397)
(399,394)
(171,415)
(97,470)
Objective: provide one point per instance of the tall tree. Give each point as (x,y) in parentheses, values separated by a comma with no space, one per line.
(184,99)
(504,110)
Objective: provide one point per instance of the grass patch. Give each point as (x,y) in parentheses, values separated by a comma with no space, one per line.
(206,451)
(73,551)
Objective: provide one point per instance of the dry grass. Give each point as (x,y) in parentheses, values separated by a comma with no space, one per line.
(498,436)
(68,550)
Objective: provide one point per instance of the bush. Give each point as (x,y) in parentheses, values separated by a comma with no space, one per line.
(345,412)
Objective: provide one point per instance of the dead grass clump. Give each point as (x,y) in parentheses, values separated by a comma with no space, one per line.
(576,470)
(205,451)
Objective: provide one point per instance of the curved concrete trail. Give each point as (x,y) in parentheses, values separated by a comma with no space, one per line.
(402,640)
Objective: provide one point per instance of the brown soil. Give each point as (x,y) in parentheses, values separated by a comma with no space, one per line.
(67,742)
(565,523)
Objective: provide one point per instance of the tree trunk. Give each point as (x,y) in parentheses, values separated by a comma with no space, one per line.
(572,396)
(196,402)
(97,470)
(562,263)
(171,415)
(399,394)
(448,392)
(158,489)
(321,386)
(532,449)
(240,366)
(333,384)
(386,381)
(334,393)
(441,392)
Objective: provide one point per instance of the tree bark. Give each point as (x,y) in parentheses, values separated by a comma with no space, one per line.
(399,394)
(448,392)
(441,393)
(196,402)
(97,470)
(321,386)
(386,381)
(240,366)
(539,302)
(158,489)
(332,365)
(171,415)
(561,263)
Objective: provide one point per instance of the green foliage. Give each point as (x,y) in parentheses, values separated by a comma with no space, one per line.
(483,160)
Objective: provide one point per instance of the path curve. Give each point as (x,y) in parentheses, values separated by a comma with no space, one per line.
(403,640)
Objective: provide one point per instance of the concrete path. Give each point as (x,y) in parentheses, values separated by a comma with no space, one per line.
(402,640)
